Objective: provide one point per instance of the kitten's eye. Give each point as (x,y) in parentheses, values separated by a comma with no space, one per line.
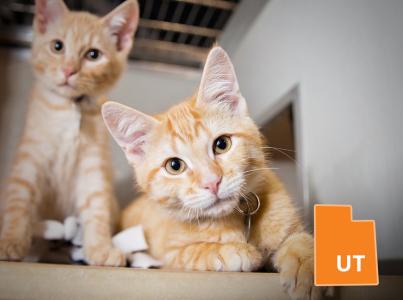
(222,144)
(93,54)
(175,166)
(57,46)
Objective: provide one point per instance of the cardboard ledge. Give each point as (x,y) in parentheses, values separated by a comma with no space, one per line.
(48,281)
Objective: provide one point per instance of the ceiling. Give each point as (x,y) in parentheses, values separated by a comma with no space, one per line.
(176,32)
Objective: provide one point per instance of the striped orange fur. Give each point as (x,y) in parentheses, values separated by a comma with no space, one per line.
(190,217)
(62,165)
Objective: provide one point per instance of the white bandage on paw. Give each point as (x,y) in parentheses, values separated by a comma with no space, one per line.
(49,230)
(143,261)
(78,238)
(77,254)
(130,240)
(70,228)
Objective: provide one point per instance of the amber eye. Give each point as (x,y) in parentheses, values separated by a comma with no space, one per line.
(222,144)
(175,166)
(57,46)
(93,54)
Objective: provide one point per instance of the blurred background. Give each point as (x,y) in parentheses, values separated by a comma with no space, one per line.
(323,79)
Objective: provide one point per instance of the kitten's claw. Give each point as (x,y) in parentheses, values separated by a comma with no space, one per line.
(105,256)
(13,249)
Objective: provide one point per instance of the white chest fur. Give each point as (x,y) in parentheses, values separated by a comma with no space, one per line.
(59,134)
(64,166)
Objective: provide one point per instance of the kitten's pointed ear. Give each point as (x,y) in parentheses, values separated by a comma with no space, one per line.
(219,85)
(122,23)
(128,127)
(48,11)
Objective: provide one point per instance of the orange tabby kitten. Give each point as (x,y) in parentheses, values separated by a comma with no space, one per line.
(62,164)
(193,164)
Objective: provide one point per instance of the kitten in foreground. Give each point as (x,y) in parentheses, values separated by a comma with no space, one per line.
(193,163)
(62,165)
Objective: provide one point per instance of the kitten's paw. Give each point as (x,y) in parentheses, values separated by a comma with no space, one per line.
(296,266)
(105,256)
(14,249)
(296,278)
(237,257)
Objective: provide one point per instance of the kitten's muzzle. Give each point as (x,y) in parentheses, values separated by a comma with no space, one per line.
(213,185)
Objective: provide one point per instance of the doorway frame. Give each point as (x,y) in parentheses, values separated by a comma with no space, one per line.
(292,98)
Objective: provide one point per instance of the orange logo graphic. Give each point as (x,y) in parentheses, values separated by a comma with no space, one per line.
(345,250)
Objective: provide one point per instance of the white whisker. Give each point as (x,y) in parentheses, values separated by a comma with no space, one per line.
(189,211)
(282,151)
(259,169)
(276,148)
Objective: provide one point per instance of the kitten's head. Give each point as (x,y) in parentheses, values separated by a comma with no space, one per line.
(193,159)
(77,53)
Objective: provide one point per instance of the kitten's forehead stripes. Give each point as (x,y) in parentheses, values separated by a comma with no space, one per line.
(75,37)
(184,123)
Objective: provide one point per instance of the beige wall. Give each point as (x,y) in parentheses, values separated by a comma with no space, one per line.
(15,84)
(347,58)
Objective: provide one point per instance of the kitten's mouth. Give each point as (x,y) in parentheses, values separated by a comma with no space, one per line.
(66,84)
(70,91)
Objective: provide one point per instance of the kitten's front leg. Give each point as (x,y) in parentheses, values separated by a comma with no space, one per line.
(294,260)
(21,197)
(278,232)
(96,220)
(96,206)
(209,256)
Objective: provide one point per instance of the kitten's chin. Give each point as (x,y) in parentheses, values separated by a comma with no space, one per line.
(221,207)
(67,91)
(218,209)
(71,92)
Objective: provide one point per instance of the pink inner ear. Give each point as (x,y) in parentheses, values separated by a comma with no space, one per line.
(47,12)
(124,39)
(135,136)
(224,95)
(128,127)
(125,35)
(123,23)
(134,143)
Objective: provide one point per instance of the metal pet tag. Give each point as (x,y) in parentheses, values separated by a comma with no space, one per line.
(248,207)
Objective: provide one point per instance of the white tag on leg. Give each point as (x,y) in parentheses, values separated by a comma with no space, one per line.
(50,230)
(130,240)
(78,238)
(77,254)
(70,228)
(143,261)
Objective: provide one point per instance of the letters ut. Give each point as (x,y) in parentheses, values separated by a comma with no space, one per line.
(348,263)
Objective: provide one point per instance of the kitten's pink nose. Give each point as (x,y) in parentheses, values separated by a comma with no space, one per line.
(68,71)
(213,185)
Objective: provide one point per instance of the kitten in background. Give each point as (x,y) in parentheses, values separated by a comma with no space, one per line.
(193,164)
(62,165)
